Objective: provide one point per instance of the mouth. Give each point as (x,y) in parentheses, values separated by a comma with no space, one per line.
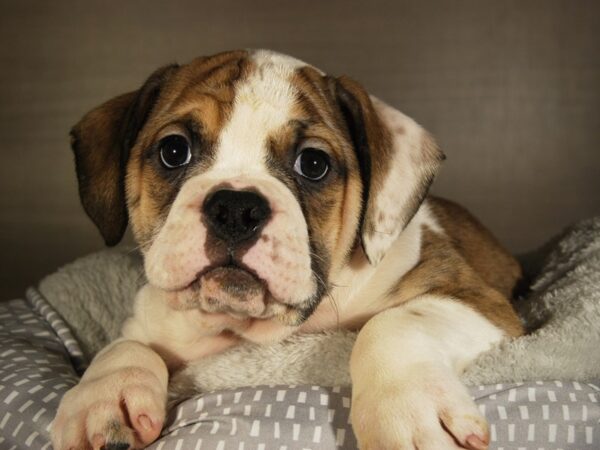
(233,290)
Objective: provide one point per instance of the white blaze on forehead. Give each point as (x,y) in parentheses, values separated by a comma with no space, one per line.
(263,104)
(281,258)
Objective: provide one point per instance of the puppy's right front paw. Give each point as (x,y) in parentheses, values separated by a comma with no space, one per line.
(428,409)
(122,410)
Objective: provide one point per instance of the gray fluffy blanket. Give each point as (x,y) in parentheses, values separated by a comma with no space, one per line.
(561,310)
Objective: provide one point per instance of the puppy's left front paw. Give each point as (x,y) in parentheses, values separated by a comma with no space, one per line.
(121,410)
(425,409)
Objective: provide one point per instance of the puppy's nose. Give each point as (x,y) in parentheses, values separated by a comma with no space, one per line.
(236,216)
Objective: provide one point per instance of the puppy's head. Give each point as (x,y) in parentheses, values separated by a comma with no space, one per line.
(249,178)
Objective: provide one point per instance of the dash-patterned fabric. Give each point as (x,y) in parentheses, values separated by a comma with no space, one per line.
(35,371)
(549,415)
(39,361)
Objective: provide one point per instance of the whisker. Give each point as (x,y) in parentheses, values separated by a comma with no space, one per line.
(133,249)
(315,255)
(336,309)
(382,232)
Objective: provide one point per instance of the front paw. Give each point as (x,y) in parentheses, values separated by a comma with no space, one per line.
(426,409)
(124,409)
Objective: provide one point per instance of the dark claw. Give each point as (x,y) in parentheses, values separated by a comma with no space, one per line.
(115,446)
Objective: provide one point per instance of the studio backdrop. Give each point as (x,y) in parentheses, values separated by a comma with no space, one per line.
(510,90)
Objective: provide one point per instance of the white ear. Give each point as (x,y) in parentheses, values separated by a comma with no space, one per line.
(398,160)
(397,192)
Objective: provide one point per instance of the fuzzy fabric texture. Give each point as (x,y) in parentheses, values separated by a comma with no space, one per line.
(94,295)
(562,312)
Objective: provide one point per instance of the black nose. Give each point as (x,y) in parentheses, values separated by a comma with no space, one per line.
(236,216)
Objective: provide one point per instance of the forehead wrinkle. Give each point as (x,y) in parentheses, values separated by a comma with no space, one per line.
(279,144)
(264,103)
(222,96)
(218,81)
(213,75)
(205,112)
(164,120)
(312,96)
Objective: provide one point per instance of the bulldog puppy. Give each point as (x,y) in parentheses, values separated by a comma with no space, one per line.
(269,198)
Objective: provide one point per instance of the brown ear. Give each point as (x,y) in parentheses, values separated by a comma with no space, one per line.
(101,141)
(398,161)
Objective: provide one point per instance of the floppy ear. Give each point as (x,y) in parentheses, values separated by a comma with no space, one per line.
(101,141)
(398,161)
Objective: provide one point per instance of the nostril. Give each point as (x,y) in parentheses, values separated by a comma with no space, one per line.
(255,216)
(235,216)
(258,214)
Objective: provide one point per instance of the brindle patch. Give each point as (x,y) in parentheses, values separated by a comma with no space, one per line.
(372,142)
(446,271)
(479,247)
(326,203)
(327,209)
(199,98)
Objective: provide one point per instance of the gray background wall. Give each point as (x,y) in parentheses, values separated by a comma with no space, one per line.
(511,90)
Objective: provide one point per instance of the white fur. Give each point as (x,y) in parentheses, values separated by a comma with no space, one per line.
(269,58)
(404,368)
(357,296)
(177,254)
(394,399)
(360,288)
(404,175)
(91,412)
(427,218)
(262,105)
(446,331)
(154,321)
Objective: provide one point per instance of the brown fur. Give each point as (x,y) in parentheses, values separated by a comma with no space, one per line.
(202,93)
(119,169)
(372,141)
(95,142)
(465,263)
(101,142)
(333,213)
(478,246)
(376,146)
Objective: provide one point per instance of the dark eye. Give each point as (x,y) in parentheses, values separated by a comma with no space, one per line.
(312,163)
(174,151)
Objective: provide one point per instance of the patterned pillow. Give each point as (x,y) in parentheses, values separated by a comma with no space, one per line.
(40,361)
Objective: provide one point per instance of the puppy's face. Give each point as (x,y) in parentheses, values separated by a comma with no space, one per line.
(238,186)
(249,178)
